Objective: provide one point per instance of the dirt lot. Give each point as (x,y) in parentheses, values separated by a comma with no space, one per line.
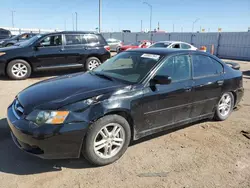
(206,154)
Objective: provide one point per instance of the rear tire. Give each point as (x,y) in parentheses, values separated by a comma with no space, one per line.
(8,45)
(224,107)
(18,69)
(104,144)
(92,63)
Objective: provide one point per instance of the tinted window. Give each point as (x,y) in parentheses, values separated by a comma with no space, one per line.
(54,40)
(185,46)
(91,39)
(160,45)
(75,39)
(176,46)
(177,67)
(205,66)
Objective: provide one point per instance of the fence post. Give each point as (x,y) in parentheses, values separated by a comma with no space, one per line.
(218,44)
(192,39)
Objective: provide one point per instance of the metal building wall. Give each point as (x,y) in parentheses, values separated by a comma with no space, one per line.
(233,45)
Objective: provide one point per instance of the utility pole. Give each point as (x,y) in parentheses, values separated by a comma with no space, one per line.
(141,25)
(12,16)
(76,20)
(73,21)
(197,19)
(150,19)
(100,15)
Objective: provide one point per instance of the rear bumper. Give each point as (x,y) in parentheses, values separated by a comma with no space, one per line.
(239,95)
(48,141)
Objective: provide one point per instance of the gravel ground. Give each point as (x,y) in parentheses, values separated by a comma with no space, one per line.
(206,154)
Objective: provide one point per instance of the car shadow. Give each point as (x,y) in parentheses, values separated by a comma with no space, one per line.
(246,73)
(46,74)
(15,161)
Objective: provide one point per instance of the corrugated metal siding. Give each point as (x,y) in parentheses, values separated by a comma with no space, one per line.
(235,45)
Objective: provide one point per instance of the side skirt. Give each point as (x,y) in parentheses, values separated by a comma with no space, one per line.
(170,126)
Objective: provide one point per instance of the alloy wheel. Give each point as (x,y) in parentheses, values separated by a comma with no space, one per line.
(225,104)
(19,70)
(93,64)
(109,140)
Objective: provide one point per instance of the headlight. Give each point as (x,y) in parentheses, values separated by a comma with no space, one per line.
(48,117)
(2,53)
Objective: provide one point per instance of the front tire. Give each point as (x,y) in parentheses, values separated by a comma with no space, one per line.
(92,63)
(107,140)
(18,69)
(224,107)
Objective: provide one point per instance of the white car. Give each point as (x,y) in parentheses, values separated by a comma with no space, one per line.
(173,44)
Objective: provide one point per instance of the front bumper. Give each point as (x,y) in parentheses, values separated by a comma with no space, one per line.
(48,141)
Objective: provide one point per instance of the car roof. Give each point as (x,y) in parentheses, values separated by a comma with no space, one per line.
(73,32)
(164,51)
(171,42)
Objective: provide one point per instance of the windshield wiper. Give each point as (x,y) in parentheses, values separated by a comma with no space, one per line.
(102,75)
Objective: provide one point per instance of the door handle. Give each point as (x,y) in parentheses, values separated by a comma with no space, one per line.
(220,82)
(188,89)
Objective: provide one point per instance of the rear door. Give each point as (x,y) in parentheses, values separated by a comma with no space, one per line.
(208,80)
(75,49)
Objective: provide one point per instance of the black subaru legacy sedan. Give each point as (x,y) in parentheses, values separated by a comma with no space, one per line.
(132,95)
(54,51)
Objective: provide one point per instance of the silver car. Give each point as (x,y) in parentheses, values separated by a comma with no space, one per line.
(114,44)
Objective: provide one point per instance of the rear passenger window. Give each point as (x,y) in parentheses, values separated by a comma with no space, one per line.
(205,66)
(185,46)
(74,39)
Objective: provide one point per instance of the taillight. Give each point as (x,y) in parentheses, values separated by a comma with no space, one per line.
(107,48)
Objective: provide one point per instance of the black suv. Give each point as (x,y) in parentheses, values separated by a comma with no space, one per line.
(85,50)
(4,33)
(15,39)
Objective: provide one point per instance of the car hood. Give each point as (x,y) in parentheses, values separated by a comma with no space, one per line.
(57,92)
(5,49)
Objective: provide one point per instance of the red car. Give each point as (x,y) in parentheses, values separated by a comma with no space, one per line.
(142,44)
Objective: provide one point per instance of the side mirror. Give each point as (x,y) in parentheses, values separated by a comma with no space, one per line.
(159,79)
(36,46)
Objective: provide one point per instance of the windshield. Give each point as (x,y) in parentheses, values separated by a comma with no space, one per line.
(29,41)
(160,45)
(130,67)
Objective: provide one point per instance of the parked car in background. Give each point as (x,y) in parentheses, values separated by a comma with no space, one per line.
(15,39)
(54,51)
(132,95)
(140,44)
(114,44)
(173,44)
(4,33)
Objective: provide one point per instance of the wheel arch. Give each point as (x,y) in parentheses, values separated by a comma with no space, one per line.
(126,115)
(17,58)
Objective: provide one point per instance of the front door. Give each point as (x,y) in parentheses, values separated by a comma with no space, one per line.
(208,83)
(49,52)
(168,104)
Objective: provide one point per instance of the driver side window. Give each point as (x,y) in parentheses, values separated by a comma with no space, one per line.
(54,40)
(177,67)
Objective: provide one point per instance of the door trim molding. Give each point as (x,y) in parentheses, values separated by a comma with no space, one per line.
(180,106)
(59,67)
